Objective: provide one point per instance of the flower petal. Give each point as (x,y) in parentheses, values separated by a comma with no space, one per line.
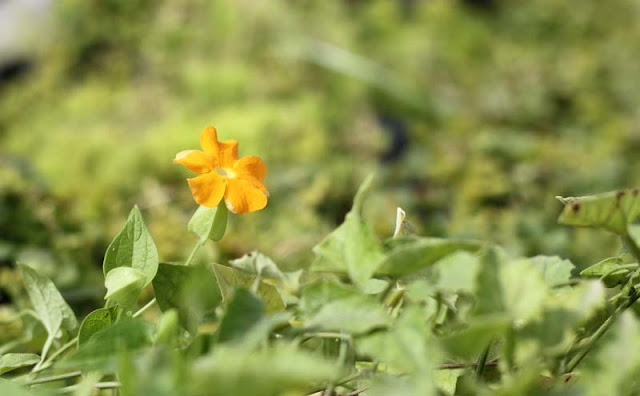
(224,154)
(241,196)
(209,140)
(195,160)
(227,153)
(208,188)
(251,165)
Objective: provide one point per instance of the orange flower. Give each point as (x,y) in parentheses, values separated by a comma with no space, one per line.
(222,174)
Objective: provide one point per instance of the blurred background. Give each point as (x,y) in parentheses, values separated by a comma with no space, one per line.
(472,114)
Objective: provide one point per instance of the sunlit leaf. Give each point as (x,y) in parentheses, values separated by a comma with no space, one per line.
(124,285)
(96,321)
(612,210)
(230,278)
(419,253)
(611,270)
(352,247)
(209,223)
(52,310)
(13,361)
(133,247)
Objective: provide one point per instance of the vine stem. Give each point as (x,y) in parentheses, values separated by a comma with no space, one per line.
(573,363)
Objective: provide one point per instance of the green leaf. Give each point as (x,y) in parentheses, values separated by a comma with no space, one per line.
(489,290)
(133,247)
(101,351)
(407,347)
(355,315)
(274,371)
(209,223)
(612,270)
(52,310)
(468,343)
(243,312)
(258,264)
(124,285)
(601,377)
(419,253)
(192,290)
(317,294)
(168,328)
(230,278)
(457,272)
(555,270)
(13,361)
(96,321)
(612,210)
(352,247)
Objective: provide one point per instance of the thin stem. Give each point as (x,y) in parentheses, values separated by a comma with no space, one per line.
(99,385)
(53,378)
(195,249)
(143,309)
(57,353)
(598,334)
(45,350)
(453,366)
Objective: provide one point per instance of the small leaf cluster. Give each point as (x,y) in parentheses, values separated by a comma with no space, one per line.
(408,315)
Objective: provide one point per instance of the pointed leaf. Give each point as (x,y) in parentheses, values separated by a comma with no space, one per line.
(612,271)
(96,321)
(52,310)
(612,210)
(352,247)
(230,278)
(419,253)
(13,361)
(133,247)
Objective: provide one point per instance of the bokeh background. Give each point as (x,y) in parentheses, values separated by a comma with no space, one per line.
(472,114)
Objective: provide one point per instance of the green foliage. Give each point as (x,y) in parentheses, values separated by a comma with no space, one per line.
(209,223)
(13,361)
(132,248)
(411,316)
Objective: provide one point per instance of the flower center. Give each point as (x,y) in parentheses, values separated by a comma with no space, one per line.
(225,172)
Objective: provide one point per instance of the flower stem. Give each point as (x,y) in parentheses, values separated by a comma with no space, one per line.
(194,251)
(143,309)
